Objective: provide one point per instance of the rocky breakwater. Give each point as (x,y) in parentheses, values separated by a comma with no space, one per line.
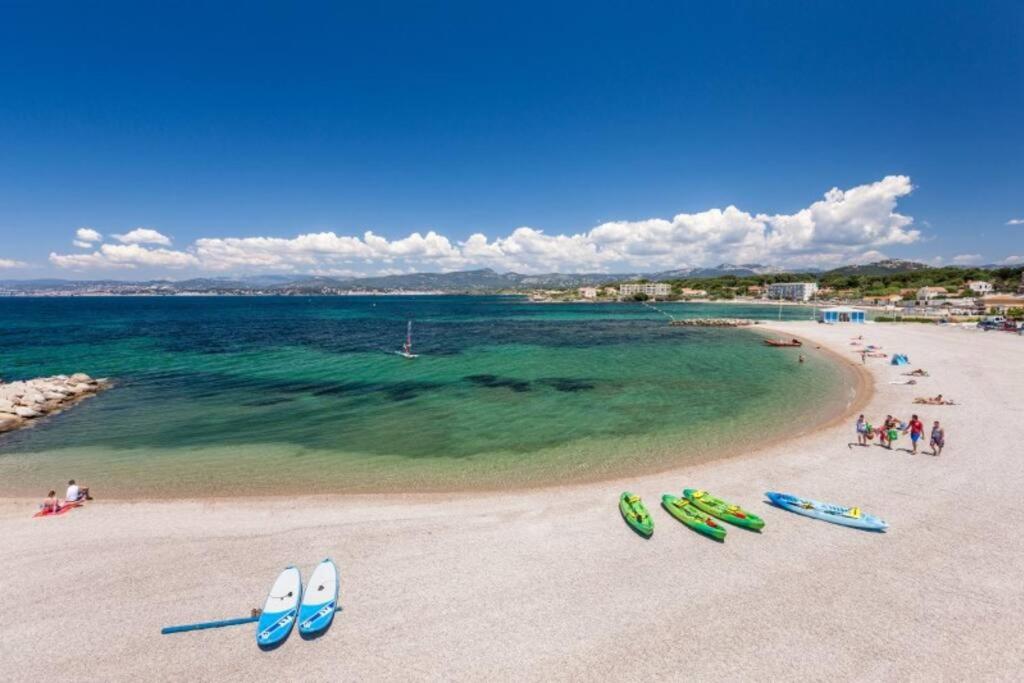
(23,402)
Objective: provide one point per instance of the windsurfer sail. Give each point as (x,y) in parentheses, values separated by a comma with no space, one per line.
(407,347)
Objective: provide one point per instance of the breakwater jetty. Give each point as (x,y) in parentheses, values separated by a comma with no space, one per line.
(22,402)
(712,322)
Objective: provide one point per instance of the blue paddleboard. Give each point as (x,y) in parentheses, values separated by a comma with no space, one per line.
(837,514)
(280,609)
(320,600)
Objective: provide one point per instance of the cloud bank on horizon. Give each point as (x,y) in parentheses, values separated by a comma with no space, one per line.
(844,226)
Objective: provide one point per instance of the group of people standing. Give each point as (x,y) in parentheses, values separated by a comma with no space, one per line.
(891,429)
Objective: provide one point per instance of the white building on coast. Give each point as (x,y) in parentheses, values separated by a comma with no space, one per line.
(980,287)
(651,289)
(793,291)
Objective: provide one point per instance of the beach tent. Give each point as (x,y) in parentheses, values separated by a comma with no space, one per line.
(841,314)
(900,359)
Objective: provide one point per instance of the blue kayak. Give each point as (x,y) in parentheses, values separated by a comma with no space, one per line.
(837,514)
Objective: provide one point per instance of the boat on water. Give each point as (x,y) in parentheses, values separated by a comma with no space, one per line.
(406,351)
(783,342)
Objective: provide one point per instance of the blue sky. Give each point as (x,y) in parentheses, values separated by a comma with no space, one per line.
(590,136)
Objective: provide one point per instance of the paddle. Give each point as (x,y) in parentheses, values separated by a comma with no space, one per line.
(208,624)
(216,624)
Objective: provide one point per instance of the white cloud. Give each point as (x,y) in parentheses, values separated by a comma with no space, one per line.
(1012,260)
(143,236)
(125,256)
(842,226)
(82,245)
(1015,221)
(966,259)
(87,235)
(11,263)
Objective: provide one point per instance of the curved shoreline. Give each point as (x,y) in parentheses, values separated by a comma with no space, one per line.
(855,378)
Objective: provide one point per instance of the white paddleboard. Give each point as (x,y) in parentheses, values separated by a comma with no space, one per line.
(281,608)
(320,600)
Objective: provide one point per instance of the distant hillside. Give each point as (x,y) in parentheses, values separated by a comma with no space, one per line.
(891,273)
(886,267)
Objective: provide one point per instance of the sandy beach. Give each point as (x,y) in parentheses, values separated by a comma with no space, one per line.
(551,584)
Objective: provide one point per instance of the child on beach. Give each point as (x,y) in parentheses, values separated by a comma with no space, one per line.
(916,429)
(938,440)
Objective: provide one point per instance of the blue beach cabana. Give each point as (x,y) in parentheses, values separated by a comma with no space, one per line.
(841,314)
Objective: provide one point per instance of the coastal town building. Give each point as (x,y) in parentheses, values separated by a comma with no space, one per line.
(1001,303)
(686,291)
(651,289)
(927,293)
(588,292)
(980,287)
(793,291)
(611,291)
(841,314)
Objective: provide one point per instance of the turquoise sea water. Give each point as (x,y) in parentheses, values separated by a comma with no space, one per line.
(222,395)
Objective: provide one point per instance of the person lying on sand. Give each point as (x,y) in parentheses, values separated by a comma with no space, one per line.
(934,401)
(920,372)
(77,493)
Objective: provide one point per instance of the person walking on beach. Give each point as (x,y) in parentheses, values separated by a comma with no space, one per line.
(862,431)
(77,493)
(938,440)
(916,429)
(884,432)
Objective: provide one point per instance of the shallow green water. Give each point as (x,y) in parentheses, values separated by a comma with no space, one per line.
(258,395)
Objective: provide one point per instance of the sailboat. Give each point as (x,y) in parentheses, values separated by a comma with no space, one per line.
(406,351)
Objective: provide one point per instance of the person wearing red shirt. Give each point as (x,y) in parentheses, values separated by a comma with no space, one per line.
(916,429)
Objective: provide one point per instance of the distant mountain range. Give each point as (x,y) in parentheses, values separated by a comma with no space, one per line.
(479,281)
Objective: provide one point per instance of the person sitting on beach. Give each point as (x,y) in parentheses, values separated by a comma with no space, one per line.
(77,493)
(938,440)
(52,503)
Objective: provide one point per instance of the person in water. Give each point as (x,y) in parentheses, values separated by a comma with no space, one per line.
(916,429)
(77,493)
(938,440)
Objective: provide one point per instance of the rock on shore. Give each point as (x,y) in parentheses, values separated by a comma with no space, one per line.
(22,402)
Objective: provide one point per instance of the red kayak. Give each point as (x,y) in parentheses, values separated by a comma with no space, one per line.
(60,511)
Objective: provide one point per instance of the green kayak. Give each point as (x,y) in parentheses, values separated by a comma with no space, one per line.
(727,512)
(688,514)
(635,513)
